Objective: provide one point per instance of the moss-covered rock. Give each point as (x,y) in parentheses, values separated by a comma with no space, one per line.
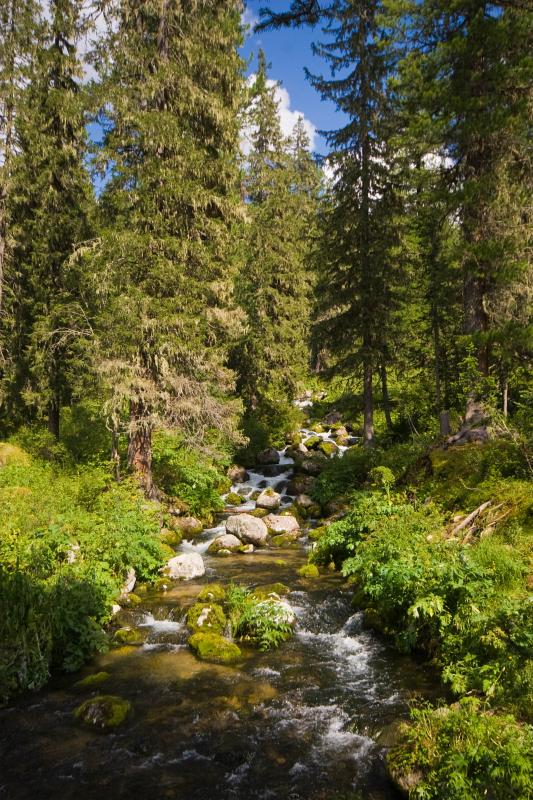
(234,499)
(172,538)
(316,533)
(213,592)
(92,681)
(214,648)
(167,550)
(259,512)
(162,584)
(227,541)
(206,617)
(262,592)
(328,448)
(284,540)
(188,526)
(317,427)
(312,442)
(309,571)
(131,599)
(280,562)
(105,712)
(128,635)
(246,549)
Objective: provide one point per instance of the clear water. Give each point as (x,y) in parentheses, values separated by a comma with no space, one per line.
(309,721)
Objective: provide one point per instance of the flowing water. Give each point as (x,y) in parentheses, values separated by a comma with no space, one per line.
(308,721)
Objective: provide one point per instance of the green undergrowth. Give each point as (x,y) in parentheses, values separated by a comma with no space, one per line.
(68,535)
(258,620)
(460,597)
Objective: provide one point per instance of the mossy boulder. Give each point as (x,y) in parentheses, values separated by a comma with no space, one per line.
(214,648)
(317,427)
(92,681)
(246,549)
(105,712)
(131,599)
(188,526)
(312,442)
(259,512)
(206,617)
(269,499)
(234,499)
(262,592)
(167,550)
(227,542)
(213,592)
(328,448)
(285,540)
(316,533)
(294,439)
(172,538)
(128,635)
(309,571)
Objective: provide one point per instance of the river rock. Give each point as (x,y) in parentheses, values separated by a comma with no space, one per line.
(185,566)
(105,712)
(332,417)
(340,432)
(268,456)
(269,499)
(237,474)
(213,647)
(225,542)
(328,448)
(189,526)
(283,611)
(207,617)
(129,583)
(304,501)
(313,466)
(301,484)
(250,530)
(277,523)
(312,442)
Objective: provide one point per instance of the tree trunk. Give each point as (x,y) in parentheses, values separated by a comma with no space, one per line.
(505,397)
(368,404)
(385,393)
(140,447)
(115,455)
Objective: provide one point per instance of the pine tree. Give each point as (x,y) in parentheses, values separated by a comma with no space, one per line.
(164,265)
(49,217)
(282,185)
(359,230)
(465,86)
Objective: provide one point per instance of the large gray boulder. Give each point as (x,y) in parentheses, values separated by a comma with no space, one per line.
(281,523)
(250,530)
(268,499)
(185,567)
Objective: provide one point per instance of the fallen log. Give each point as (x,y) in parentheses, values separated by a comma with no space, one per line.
(471,517)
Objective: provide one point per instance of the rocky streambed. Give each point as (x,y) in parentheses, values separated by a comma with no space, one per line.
(310,719)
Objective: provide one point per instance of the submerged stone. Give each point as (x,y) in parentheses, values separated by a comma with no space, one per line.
(279,589)
(214,648)
(92,681)
(105,712)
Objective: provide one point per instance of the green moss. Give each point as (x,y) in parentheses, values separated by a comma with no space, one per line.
(11,455)
(259,512)
(128,635)
(316,533)
(172,538)
(92,681)
(206,617)
(262,592)
(312,442)
(309,571)
(131,599)
(284,540)
(328,448)
(214,648)
(167,551)
(213,592)
(234,499)
(105,712)
(317,427)
(280,562)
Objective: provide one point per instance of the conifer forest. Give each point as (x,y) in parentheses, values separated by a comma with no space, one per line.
(266,400)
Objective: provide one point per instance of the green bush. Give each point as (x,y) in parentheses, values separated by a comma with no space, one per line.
(464,753)
(183,473)
(255,619)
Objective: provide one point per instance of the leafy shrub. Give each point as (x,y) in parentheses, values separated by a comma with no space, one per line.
(183,473)
(464,753)
(260,621)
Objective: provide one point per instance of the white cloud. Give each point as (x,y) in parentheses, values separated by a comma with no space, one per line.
(288,116)
(249,19)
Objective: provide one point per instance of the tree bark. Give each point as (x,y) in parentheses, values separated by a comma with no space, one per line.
(368,404)
(140,447)
(385,393)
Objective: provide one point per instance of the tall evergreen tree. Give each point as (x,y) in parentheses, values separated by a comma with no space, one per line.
(163,268)
(282,186)
(359,231)
(49,217)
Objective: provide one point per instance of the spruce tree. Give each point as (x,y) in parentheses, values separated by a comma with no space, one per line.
(282,185)
(162,270)
(49,218)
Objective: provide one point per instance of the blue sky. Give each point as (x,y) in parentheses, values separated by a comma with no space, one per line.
(289,51)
